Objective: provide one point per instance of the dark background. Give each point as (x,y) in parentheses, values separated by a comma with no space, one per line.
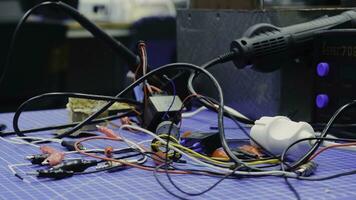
(45,60)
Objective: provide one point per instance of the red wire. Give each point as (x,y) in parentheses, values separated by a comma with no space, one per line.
(330,147)
(115,160)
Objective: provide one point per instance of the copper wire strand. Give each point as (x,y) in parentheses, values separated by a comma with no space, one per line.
(155,89)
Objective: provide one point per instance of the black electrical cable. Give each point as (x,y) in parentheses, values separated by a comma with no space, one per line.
(242,129)
(186,66)
(115,45)
(123,51)
(323,178)
(315,146)
(228,114)
(14,37)
(166,163)
(313,178)
(22,107)
(343,130)
(292,188)
(323,134)
(341,133)
(215,174)
(85,96)
(220,104)
(118,151)
(207,172)
(174,97)
(113,167)
(165,188)
(208,99)
(132,59)
(92,171)
(157,158)
(109,118)
(319,125)
(193,171)
(189,193)
(218,60)
(284,154)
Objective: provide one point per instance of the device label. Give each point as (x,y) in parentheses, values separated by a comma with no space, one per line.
(338,50)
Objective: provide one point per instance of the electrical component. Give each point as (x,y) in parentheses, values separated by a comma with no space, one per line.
(160,149)
(275,134)
(263,44)
(168,127)
(75,165)
(37,159)
(159,106)
(70,145)
(108,151)
(54,159)
(306,169)
(334,75)
(56,174)
(165,129)
(203,142)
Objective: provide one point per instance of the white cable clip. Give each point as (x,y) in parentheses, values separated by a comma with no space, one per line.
(277,133)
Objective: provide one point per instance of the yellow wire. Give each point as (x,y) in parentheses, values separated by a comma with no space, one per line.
(214,160)
(260,162)
(198,155)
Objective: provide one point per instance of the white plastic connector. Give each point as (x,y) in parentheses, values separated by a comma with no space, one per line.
(277,133)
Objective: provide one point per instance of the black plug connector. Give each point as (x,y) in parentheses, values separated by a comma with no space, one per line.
(55,174)
(69,145)
(75,165)
(37,159)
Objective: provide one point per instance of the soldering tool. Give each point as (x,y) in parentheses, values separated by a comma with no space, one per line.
(263,44)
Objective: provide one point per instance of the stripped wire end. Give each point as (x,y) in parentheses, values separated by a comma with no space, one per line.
(108,132)
(127,121)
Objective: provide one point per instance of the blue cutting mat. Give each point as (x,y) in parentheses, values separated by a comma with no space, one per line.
(138,184)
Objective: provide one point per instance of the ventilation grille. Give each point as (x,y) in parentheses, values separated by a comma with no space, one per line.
(270,46)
